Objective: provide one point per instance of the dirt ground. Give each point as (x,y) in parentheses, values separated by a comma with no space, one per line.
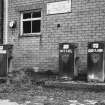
(37,95)
(20,91)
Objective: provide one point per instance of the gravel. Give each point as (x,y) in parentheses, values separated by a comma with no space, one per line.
(38,95)
(21,92)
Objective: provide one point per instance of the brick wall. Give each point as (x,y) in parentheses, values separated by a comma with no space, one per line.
(84,24)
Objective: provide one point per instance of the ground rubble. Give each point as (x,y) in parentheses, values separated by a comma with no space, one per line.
(23,90)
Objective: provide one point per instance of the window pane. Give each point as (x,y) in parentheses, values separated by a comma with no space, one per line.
(36,14)
(27,27)
(26,15)
(36,26)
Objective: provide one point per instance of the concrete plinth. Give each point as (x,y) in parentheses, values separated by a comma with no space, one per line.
(77,85)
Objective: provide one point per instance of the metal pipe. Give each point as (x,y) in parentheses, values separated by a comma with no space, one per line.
(5,32)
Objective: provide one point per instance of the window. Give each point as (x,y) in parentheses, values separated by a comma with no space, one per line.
(31,22)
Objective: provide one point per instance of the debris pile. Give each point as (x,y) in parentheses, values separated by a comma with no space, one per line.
(22,76)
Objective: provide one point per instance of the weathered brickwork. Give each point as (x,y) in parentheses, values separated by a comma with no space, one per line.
(84,24)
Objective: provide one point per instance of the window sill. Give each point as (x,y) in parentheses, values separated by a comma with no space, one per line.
(31,35)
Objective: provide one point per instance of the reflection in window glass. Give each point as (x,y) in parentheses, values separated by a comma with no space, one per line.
(27,27)
(35,26)
(26,15)
(36,14)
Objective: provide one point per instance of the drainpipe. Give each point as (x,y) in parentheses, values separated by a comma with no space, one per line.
(1,21)
(5,32)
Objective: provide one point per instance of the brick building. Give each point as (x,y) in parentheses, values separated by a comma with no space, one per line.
(39,47)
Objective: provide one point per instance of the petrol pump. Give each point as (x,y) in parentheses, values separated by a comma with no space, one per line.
(95,61)
(5,57)
(67,55)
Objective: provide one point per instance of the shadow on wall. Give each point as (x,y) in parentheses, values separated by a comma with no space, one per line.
(80,72)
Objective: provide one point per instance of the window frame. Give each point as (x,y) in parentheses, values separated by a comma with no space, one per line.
(30,19)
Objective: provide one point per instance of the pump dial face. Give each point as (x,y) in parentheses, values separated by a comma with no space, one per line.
(95,57)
